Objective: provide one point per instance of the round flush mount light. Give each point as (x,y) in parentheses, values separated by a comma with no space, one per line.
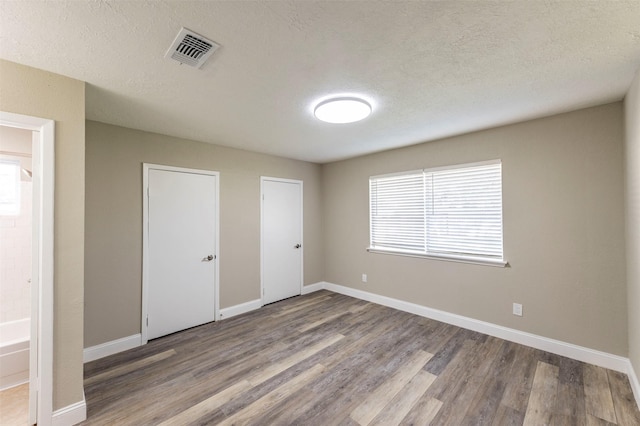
(342,110)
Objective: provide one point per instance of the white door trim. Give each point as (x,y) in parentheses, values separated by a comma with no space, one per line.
(274,179)
(42,259)
(145,240)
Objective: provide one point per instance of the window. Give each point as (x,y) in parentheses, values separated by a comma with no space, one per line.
(449,212)
(9,187)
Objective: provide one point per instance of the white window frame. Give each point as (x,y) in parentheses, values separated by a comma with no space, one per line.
(417,242)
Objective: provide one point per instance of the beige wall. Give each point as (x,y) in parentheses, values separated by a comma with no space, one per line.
(632,197)
(563,220)
(113,268)
(25,90)
(563,230)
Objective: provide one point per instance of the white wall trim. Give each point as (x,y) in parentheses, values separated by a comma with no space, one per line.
(71,414)
(635,383)
(580,353)
(113,347)
(242,308)
(125,343)
(313,287)
(12,380)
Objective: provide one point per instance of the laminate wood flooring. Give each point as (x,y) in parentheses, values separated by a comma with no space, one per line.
(329,359)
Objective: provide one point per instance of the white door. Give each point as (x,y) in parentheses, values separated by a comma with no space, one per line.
(281,239)
(182,227)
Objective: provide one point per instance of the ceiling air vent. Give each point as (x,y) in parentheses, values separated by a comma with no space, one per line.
(191,49)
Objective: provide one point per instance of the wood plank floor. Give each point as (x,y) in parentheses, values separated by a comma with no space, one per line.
(328,359)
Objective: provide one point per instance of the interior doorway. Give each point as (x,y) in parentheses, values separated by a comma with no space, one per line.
(40,173)
(15,271)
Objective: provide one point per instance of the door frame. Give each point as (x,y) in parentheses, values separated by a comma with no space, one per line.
(41,345)
(145,240)
(263,179)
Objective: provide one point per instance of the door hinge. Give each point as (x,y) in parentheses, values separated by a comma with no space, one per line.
(147,321)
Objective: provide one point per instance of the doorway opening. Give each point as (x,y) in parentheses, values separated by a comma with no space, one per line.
(16,189)
(26,220)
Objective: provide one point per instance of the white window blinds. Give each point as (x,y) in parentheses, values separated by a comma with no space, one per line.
(447,212)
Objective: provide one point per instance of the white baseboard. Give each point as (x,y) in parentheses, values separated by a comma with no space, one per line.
(242,308)
(119,345)
(313,287)
(580,353)
(635,383)
(13,380)
(71,414)
(14,367)
(109,348)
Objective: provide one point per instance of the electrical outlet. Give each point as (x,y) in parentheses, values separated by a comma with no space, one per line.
(517,309)
(364,278)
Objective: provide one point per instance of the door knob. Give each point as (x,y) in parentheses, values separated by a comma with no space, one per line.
(208,258)
(297,246)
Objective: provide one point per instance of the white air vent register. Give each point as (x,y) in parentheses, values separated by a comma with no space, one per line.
(191,49)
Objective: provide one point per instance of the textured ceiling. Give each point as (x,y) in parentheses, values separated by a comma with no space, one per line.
(430,69)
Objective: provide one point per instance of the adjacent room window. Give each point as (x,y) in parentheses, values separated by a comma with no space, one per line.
(9,187)
(448,212)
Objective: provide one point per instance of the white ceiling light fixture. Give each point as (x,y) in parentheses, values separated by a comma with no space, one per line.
(341,110)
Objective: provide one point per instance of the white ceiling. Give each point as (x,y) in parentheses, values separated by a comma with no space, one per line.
(430,69)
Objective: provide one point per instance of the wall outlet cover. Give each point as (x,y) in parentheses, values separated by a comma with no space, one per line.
(517,309)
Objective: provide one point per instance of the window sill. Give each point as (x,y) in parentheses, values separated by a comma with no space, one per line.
(447,258)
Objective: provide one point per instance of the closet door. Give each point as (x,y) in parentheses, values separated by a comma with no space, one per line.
(182,221)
